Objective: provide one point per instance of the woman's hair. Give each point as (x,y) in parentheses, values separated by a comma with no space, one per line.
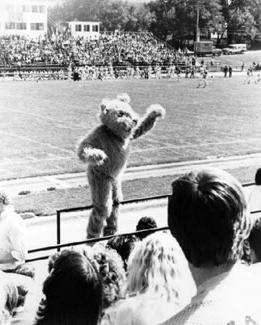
(73,292)
(123,245)
(110,267)
(207,214)
(157,266)
(9,299)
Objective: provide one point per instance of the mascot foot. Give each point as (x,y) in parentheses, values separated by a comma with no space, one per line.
(109,231)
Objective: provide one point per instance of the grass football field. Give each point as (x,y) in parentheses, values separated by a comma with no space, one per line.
(42,122)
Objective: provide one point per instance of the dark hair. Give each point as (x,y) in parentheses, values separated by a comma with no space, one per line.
(110,267)
(123,246)
(207,215)
(145,223)
(255,238)
(258,177)
(73,292)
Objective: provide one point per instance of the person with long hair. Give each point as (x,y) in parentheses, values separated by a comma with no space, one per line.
(73,292)
(158,282)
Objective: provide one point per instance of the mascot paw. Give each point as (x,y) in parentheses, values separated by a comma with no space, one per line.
(97,157)
(156,110)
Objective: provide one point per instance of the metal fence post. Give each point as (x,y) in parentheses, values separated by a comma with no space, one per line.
(58,229)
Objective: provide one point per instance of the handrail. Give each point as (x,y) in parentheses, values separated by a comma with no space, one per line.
(58,245)
(87,241)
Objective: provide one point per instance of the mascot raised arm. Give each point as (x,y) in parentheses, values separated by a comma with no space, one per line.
(106,150)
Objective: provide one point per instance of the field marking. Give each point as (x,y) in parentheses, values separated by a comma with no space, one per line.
(21,137)
(59,123)
(169,146)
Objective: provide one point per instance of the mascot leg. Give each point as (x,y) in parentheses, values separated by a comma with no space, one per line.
(101,192)
(112,222)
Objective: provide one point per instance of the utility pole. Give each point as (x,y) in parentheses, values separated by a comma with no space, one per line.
(197,24)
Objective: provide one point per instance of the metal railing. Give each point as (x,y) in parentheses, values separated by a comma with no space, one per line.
(59,213)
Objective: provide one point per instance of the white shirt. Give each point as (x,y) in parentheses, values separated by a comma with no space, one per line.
(231,298)
(13,249)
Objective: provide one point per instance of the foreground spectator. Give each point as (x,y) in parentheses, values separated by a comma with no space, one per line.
(254,198)
(159,282)
(143,224)
(123,246)
(110,267)
(254,241)
(9,299)
(207,213)
(13,250)
(73,292)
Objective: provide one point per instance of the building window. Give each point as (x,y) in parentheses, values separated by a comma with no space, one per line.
(34,9)
(42,9)
(21,26)
(9,25)
(95,28)
(25,8)
(78,28)
(86,28)
(37,26)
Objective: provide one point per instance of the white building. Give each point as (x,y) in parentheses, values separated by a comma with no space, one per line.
(23,17)
(86,29)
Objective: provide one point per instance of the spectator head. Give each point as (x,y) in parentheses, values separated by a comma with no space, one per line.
(207,215)
(4,201)
(73,291)
(255,241)
(9,299)
(4,198)
(123,246)
(110,267)
(143,224)
(258,177)
(157,267)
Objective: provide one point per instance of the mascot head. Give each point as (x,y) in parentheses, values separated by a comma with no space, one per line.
(118,115)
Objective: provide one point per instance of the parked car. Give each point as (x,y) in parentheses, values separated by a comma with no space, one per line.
(235,49)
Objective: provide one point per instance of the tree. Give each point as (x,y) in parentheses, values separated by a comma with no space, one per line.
(176,20)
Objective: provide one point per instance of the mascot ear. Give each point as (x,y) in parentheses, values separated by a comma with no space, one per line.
(103,107)
(124,98)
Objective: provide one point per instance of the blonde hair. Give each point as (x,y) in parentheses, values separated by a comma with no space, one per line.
(157,266)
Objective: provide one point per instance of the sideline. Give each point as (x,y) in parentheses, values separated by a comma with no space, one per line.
(73,180)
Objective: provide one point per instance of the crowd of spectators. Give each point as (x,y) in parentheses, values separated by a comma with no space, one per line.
(193,273)
(110,49)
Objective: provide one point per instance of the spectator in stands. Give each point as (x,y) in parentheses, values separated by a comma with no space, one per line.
(145,223)
(207,213)
(110,267)
(254,195)
(123,246)
(73,292)
(9,299)
(254,241)
(13,248)
(159,282)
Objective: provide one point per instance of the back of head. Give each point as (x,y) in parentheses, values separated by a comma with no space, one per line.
(207,215)
(73,291)
(157,266)
(110,267)
(143,224)
(255,240)
(123,246)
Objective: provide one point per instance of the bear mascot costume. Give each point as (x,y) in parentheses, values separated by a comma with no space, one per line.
(106,150)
